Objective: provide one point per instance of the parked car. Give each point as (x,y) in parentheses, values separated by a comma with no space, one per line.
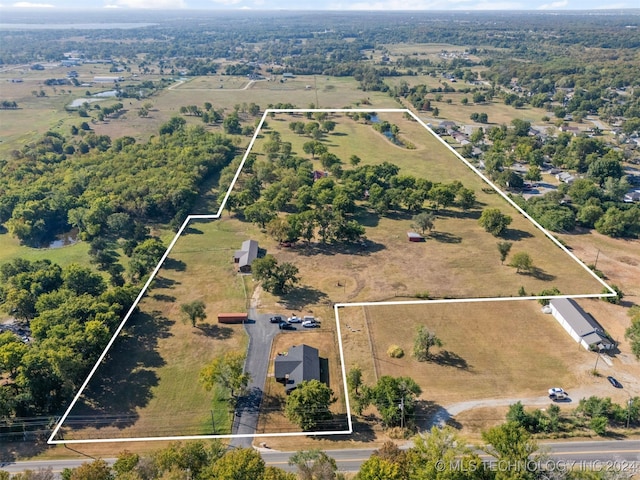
(614,382)
(294,319)
(310,324)
(557,393)
(276,319)
(286,326)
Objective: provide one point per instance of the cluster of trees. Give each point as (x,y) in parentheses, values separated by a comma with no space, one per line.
(67,316)
(284,184)
(395,398)
(50,186)
(596,200)
(593,413)
(481,117)
(231,122)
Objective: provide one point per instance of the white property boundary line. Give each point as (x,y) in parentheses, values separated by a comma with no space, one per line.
(612,293)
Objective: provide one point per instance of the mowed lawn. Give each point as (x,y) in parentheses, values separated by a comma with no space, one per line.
(149,383)
(506,349)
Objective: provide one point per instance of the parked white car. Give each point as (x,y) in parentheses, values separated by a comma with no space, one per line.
(557,393)
(294,319)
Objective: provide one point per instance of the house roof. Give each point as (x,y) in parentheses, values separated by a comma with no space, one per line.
(247,254)
(300,363)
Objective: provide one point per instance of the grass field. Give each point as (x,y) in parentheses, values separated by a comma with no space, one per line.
(151,377)
(459,259)
(475,360)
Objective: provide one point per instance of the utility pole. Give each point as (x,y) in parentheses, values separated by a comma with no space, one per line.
(628,410)
(402,412)
(213,423)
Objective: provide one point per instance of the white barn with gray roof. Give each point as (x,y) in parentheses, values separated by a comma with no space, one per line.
(582,327)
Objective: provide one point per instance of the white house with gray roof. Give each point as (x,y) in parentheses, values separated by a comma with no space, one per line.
(582,327)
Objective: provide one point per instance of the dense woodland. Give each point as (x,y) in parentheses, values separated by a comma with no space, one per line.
(113,190)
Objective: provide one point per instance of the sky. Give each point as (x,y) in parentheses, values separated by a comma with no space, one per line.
(344,5)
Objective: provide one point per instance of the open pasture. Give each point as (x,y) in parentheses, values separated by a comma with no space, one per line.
(496,349)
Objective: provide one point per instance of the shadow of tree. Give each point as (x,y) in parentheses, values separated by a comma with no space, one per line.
(124,381)
(366,218)
(365,248)
(450,359)
(13,444)
(303,296)
(173,264)
(214,331)
(399,215)
(161,297)
(163,282)
(193,231)
(445,237)
(472,213)
(541,274)
(515,234)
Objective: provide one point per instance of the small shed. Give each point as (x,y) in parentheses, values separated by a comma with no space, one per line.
(246,255)
(415,237)
(232,317)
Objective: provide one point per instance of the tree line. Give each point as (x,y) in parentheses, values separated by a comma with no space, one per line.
(57,183)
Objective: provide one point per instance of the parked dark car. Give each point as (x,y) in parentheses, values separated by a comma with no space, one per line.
(286,326)
(276,319)
(614,382)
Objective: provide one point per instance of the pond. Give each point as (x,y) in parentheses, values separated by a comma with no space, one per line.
(107,94)
(64,240)
(78,102)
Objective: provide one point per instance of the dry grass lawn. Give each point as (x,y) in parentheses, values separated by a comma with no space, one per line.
(151,376)
(490,349)
(459,259)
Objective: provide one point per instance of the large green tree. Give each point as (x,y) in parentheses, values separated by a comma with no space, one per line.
(494,221)
(308,405)
(395,398)
(226,370)
(314,465)
(276,278)
(522,262)
(238,464)
(510,444)
(441,454)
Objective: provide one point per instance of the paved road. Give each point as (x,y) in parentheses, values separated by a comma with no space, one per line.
(613,454)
